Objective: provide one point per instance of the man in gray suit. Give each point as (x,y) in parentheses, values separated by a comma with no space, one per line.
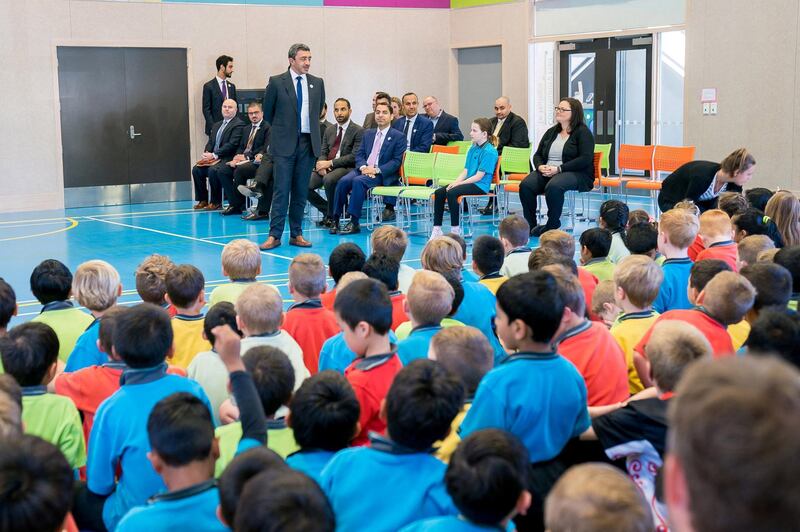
(292,105)
(339,146)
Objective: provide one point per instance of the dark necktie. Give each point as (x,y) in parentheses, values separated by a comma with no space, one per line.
(224,90)
(299,104)
(405,129)
(252,136)
(335,147)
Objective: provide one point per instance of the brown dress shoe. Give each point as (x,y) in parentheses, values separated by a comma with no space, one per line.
(300,242)
(270,243)
(201,205)
(213,207)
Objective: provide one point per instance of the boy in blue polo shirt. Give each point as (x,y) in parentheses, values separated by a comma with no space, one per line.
(397,480)
(487,481)
(677,229)
(118,443)
(429,301)
(184,448)
(96,286)
(183,451)
(324,418)
(535,393)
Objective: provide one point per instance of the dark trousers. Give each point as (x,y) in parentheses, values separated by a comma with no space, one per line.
(451,196)
(328,182)
(355,185)
(553,189)
(229,178)
(265,184)
(291,188)
(199,176)
(87,508)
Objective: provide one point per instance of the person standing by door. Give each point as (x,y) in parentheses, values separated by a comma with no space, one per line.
(217,90)
(292,105)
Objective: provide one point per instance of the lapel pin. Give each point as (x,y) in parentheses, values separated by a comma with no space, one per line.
(310,86)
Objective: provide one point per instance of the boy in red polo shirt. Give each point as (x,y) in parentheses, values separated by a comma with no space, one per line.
(724,301)
(717,233)
(307,321)
(588,344)
(345,258)
(364,312)
(90,386)
(564,244)
(386,269)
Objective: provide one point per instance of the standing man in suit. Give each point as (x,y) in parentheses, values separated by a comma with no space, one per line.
(418,131)
(380,96)
(292,105)
(378,163)
(510,130)
(244,164)
(445,126)
(217,90)
(339,147)
(221,147)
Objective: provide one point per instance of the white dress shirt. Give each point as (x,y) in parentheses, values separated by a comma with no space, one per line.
(344,130)
(220,82)
(305,117)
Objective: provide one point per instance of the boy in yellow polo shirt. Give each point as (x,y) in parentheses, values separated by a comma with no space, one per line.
(186,291)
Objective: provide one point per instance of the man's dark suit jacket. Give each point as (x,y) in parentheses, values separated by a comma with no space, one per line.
(280,111)
(389,158)
(260,141)
(369,121)
(446,129)
(351,141)
(514,132)
(212,102)
(421,135)
(229,143)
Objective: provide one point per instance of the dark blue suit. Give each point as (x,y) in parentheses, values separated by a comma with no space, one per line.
(421,135)
(446,129)
(356,184)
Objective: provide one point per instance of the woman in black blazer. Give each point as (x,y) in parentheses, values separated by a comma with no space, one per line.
(702,181)
(564,161)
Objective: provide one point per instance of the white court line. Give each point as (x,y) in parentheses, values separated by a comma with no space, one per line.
(176,235)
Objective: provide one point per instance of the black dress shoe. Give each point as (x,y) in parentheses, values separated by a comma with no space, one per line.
(325,222)
(388,215)
(230,210)
(488,210)
(350,228)
(540,229)
(253,216)
(334,227)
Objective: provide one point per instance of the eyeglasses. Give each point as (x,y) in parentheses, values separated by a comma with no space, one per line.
(253,112)
(563,110)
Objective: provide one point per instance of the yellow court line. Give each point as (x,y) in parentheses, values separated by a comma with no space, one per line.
(73,224)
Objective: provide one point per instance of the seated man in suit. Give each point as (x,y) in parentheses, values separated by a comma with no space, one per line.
(323,121)
(510,130)
(418,131)
(380,96)
(244,164)
(378,163)
(222,144)
(261,188)
(445,126)
(217,90)
(337,158)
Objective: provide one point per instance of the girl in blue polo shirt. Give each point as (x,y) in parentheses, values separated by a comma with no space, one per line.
(475,179)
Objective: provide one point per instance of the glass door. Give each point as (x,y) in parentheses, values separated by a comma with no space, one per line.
(612,78)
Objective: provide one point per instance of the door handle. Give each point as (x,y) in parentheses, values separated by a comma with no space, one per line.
(611,124)
(599,125)
(133,133)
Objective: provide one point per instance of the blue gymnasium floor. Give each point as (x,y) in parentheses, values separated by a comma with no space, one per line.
(124,235)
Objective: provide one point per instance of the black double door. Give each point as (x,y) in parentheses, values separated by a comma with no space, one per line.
(612,77)
(124,116)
